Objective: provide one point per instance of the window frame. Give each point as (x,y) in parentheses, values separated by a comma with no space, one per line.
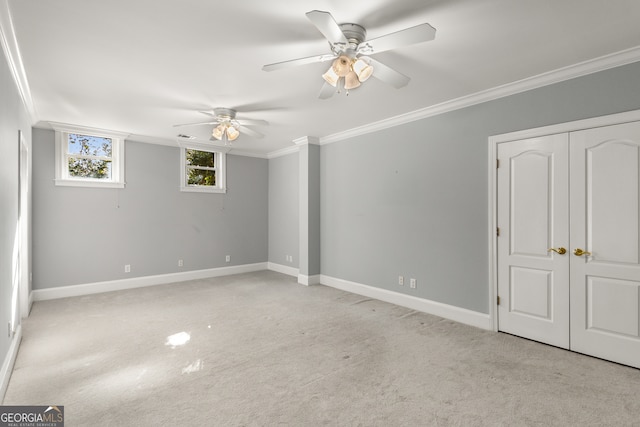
(62,176)
(220,169)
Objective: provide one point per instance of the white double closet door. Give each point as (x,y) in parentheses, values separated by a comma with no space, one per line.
(568,211)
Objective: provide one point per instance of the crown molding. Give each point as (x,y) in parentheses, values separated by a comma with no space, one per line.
(156,140)
(602,63)
(202,146)
(283,152)
(212,144)
(205,145)
(86,130)
(237,152)
(307,140)
(11,50)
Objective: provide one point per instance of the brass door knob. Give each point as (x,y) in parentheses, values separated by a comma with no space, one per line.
(580,252)
(560,250)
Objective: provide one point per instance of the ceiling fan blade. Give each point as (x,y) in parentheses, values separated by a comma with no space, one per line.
(195,124)
(327,91)
(419,33)
(250,132)
(388,75)
(252,122)
(296,62)
(256,107)
(327,26)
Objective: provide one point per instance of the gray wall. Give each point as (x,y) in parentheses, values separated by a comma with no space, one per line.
(283,210)
(412,200)
(13,118)
(87,235)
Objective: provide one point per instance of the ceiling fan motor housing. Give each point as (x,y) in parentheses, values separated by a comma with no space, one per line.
(355,34)
(225,113)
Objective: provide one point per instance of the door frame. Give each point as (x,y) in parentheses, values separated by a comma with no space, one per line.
(612,119)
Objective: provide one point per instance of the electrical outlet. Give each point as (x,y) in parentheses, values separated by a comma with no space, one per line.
(228,258)
(413,283)
(401,280)
(127,268)
(180,263)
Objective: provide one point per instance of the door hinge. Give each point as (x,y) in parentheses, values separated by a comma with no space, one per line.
(498,300)
(497,231)
(497,163)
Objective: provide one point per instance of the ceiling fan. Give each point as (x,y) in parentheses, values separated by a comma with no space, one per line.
(227,126)
(350,52)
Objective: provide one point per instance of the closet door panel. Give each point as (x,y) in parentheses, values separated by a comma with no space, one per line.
(605,218)
(533,282)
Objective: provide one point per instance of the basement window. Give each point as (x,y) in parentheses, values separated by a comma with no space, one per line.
(202,171)
(89,157)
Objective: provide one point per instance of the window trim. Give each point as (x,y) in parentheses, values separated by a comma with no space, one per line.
(221,169)
(62,177)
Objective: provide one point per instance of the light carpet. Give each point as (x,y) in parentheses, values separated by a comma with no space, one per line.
(258,349)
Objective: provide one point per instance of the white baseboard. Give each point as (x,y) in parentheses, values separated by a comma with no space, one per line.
(9,361)
(140,282)
(284,269)
(469,317)
(309,280)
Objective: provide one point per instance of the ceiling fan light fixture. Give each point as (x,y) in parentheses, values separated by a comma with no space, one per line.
(331,77)
(362,69)
(230,129)
(351,81)
(342,66)
(218,131)
(232,133)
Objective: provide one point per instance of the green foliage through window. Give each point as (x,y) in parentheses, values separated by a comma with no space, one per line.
(201,168)
(89,156)
(87,168)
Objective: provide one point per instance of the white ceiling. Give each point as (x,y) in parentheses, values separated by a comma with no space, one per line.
(141,66)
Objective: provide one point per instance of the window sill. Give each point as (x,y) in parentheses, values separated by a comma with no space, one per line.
(93,184)
(203,190)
